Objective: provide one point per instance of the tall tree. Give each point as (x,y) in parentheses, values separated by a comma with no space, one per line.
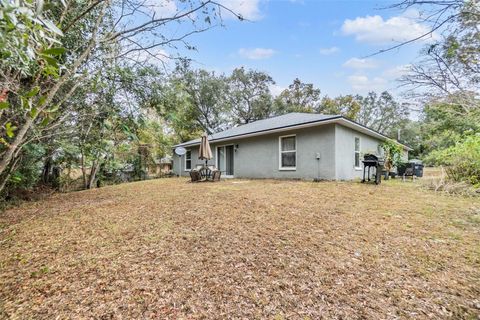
(450,66)
(298,97)
(64,42)
(446,79)
(347,105)
(249,95)
(204,95)
(444,123)
(381,112)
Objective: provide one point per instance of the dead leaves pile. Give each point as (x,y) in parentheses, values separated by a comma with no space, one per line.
(170,249)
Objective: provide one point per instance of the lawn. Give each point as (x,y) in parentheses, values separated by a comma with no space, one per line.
(169,249)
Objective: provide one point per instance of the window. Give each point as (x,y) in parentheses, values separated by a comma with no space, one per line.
(188,160)
(288,152)
(379,150)
(357,152)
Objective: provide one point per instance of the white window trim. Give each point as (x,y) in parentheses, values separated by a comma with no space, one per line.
(359,152)
(185,161)
(225,159)
(280,153)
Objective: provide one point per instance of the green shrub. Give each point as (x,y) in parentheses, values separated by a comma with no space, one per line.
(462,161)
(28,169)
(393,154)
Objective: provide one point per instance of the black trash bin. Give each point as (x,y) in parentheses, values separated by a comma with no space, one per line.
(417,167)
(401,168)
(419,170)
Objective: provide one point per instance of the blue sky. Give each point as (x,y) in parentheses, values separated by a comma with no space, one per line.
(320,42)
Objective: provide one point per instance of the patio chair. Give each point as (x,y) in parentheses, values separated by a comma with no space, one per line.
(195,176)
(409,172)
(216,175)
(209,173)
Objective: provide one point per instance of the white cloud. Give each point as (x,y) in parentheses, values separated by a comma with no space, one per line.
(276,89)
(256,53)
(377,30)
(248,9)
(397,71)
(357,63)
(158,57)
(329,51)
(363,84)
(162,8)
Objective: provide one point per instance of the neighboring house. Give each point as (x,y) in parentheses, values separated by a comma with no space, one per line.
(291,146)
(161,166)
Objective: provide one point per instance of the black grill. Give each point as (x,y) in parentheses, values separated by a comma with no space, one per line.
(369,156)
(369,161)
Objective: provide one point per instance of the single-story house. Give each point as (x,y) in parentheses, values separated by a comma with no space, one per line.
(161,166)
(294,145)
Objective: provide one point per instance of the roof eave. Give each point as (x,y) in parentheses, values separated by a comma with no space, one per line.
(266,131)
(337,119)
(366,130)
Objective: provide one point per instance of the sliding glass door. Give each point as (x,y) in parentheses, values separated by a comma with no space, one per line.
(225,161)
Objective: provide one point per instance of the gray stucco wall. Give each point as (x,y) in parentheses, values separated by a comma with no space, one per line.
(179,162)
(258,157)
(345,151)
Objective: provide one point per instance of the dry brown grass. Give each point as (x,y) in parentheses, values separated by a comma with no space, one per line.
(436,179)
(169,249)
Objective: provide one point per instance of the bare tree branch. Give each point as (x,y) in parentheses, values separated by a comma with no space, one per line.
(84,13)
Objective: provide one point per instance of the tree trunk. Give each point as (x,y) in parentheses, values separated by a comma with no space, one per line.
(47,168)
(24,129)
(93,175)
(84,171)
(12,148)
(9,173)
